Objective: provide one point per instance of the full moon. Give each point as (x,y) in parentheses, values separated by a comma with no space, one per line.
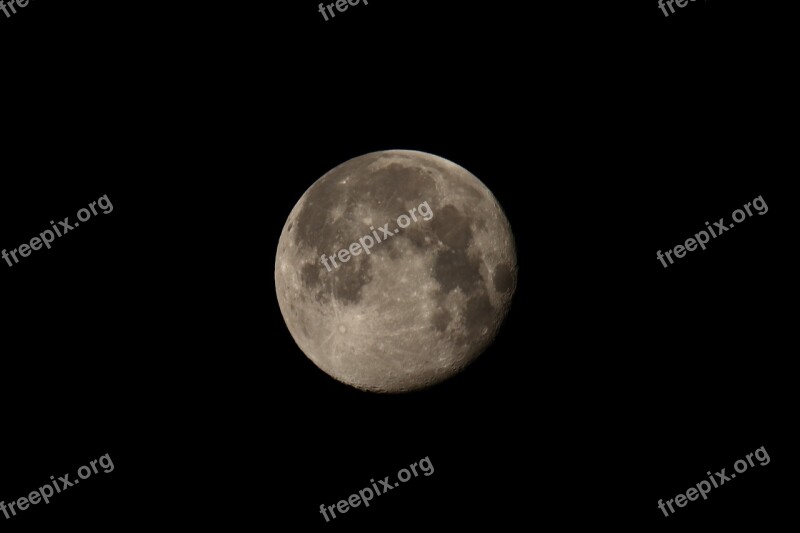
(395,270)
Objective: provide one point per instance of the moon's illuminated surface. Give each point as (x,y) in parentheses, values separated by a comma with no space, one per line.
(425,302)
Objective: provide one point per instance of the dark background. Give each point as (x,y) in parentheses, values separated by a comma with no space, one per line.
(721,319)
(153,333)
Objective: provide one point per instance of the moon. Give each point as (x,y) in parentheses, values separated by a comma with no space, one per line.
(395,270)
